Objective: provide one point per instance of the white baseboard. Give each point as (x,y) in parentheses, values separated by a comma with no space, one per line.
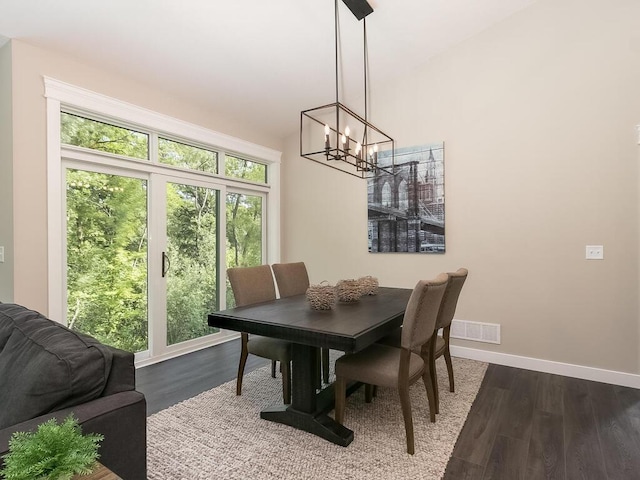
(548,366)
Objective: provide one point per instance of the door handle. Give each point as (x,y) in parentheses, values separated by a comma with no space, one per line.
(166,264)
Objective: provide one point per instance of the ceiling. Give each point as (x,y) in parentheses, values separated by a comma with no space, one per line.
(259,61)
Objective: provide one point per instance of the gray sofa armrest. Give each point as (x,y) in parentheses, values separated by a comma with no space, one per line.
(121,418)
(123,373)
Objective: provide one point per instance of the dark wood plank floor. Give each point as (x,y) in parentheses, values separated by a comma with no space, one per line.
(532,425)
(523,424)
(172,381)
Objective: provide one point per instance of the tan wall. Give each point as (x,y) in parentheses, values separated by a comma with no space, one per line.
(538,116)
(29,136)
(6,176)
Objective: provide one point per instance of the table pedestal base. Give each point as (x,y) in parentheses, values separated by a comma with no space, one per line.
(321,424)
(316,422)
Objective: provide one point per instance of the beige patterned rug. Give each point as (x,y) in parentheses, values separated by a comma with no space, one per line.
(218,435)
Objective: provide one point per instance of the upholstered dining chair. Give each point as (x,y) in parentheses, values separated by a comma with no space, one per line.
(254,285)
(293,279)
(387,366)
(439,345)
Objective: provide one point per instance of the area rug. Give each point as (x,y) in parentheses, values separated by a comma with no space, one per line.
(218,435)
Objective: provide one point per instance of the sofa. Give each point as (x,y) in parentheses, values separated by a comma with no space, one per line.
(49,371)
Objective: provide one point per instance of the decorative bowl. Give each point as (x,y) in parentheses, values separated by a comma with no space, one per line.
(369,285)
(349,290)
(321,296)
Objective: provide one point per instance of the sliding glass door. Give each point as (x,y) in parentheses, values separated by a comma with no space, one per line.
(190,261)
(134,290)
(106,251)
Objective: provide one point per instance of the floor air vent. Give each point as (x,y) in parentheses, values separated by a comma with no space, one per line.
(475,331)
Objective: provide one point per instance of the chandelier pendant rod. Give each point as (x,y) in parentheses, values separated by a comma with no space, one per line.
(335,33)
(364,63)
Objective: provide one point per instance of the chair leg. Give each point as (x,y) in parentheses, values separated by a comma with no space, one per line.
(408,421)
(341,398)
(285,367)
(244,353)
(325,365)
(374,391)
(431,365)
(434,384)
(427,379)
(368,392)
(447,359)
(273,368)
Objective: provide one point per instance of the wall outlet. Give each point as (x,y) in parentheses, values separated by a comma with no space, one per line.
(594,252)
(1,254)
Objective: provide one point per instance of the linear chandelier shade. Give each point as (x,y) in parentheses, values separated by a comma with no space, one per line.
(337,137)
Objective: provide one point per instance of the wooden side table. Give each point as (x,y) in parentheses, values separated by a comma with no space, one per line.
(99,473)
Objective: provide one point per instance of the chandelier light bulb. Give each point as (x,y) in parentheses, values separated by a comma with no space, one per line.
(327,144)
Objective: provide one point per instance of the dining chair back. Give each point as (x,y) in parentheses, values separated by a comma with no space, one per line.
(252,285)
(387,366)
(292,278)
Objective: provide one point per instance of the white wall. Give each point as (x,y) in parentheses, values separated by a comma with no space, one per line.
(538,117)
(6,175)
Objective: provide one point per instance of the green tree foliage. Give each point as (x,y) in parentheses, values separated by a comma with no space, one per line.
(244,219)
(83,132)
(192,248)
(187,156)
(107,258)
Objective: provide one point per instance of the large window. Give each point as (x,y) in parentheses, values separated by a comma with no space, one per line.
(149,220)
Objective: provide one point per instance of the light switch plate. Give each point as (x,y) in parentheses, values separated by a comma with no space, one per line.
(595,252)
(1,254)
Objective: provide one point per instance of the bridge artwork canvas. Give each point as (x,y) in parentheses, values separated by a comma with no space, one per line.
(406,208)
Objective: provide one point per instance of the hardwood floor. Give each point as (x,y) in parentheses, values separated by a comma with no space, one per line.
(532,425)
(523,424)
(169,382)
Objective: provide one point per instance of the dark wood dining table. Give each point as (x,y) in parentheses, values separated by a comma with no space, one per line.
(347,327)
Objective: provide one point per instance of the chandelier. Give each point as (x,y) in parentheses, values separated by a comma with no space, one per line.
(337,137)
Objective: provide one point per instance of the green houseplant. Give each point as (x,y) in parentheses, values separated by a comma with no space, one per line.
(53,452)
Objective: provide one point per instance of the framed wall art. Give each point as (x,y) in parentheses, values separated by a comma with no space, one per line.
(406,207)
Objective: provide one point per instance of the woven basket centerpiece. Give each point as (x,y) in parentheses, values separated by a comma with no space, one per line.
(349,290)
(369,285)
(321,296)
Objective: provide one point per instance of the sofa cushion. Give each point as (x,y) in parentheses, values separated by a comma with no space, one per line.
(44,366)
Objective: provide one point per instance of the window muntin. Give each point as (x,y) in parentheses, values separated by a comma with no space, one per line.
(87,133)
(187,156)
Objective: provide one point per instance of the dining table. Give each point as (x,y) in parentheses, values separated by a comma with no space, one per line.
(347,327)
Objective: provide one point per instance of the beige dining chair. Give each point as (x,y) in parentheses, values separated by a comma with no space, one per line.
(293,279)
(439,345)
(255,285)
(387,366)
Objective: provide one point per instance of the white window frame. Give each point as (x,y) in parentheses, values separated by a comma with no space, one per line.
(62,96)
